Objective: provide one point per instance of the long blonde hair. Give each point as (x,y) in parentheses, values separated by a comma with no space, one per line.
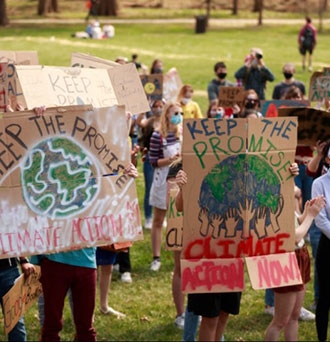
(164,120)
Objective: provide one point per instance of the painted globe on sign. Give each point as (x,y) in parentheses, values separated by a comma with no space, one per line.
(58,178)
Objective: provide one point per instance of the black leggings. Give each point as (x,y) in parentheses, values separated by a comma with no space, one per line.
(323,304)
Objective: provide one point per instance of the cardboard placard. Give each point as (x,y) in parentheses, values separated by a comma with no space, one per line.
(270,108)
(313,124)
(229,96)
(171,85)
(153,86)
(274,270)
(216,275)
(125,80)
(319,85)
(62,185)
(239,198)
(19,57)
(20,297)
(174,229)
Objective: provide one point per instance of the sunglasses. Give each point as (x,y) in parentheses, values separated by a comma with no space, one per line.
(178,113)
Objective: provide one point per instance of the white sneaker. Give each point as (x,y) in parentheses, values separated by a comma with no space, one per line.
(269,310)
(179,321)
(126,277)
(306,315)
(148,223)
(155,265)
(111,311)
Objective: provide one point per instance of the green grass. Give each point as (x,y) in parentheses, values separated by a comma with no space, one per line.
(148,301)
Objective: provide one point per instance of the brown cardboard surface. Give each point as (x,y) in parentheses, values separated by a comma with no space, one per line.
(84,60)
(171,85)
(313,124)
(174,229)
(20,297)
(61,181)
(19,57)
(153,86)
(239,198)
(319,85)
(275,270)
(229,96)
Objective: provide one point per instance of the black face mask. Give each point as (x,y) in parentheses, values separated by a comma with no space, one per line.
(287,75)
(222,75)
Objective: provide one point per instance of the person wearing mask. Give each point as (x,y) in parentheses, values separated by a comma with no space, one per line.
(220,70)
(191,109)
(156,67)
(281,88)
(254,73)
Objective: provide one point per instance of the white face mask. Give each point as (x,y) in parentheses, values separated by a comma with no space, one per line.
(185,100)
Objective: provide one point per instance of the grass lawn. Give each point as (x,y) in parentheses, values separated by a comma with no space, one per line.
(147,302)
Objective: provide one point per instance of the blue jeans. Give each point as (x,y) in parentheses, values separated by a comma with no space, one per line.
(190,326)
(148,172)
(314,236)
(7,279)
(304,183)
(269,297)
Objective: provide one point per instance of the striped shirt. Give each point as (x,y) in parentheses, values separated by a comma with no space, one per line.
(156,146)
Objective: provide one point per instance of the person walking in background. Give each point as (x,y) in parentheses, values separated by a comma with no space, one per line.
(281,88)
(220,70)
(254,73)
(92,9)
(307,41)
(191,109)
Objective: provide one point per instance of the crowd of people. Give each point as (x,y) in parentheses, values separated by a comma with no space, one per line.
(157,135)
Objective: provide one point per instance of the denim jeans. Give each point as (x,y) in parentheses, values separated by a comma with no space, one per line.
(269,297)
(148,172)
(190,326)
(7,279)
(304,183)
(314,236)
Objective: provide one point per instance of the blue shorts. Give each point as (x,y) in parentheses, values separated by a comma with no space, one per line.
(104,257)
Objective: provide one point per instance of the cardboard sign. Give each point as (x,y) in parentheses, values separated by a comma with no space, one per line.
(274,270)
(153,86)
(171,85)
(19,57)
(62,185)
(19,298)
(174,229)
(270,108)
(216,275)
(229,96)
(319,85)
(239,198)
(125,80)
(313,124)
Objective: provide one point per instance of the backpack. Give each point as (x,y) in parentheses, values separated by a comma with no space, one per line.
(308,38)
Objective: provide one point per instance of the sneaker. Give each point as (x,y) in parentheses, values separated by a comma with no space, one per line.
(155,265)
(269,310)
(179,321)
(310,69)
(111,311)
(306,315)
(148,223)
(126,277)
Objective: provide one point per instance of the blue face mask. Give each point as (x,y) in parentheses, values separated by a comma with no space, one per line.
(176,118)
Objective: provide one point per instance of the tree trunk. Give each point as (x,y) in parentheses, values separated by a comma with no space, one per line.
(47,6)
(3,13)
(107,8)
(235,7)
(256,6)
(261,5)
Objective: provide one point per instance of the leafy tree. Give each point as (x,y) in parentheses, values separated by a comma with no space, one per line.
(3,13)
(47,6)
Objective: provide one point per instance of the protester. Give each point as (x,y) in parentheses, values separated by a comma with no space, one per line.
(156,67)
(9,272)
(307,39)
(148,122)
(141,68)
(213,88)
(281,88)
(289,299)
(254,74)
(164,150)
(191,109)
(321,187)
(92,6)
